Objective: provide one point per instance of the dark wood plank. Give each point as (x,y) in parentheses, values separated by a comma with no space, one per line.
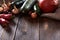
(9,33)
(50,30)
(1,30)
(28,29)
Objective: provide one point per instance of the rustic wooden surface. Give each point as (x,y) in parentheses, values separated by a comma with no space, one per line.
(25,28)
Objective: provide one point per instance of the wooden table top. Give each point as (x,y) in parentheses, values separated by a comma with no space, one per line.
(25,28)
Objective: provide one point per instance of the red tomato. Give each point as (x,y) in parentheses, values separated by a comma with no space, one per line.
(48,5)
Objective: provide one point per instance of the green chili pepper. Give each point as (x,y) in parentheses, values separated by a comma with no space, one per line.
(37,9)
(17,3)
(27,5)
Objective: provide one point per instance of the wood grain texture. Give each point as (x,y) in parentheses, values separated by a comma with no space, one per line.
(28,29)
(1,30)
(9,32)
(52,32)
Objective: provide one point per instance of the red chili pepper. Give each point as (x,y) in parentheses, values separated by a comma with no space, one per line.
(6,16)
(3,22)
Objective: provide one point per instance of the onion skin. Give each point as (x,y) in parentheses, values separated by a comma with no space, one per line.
(48,6)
